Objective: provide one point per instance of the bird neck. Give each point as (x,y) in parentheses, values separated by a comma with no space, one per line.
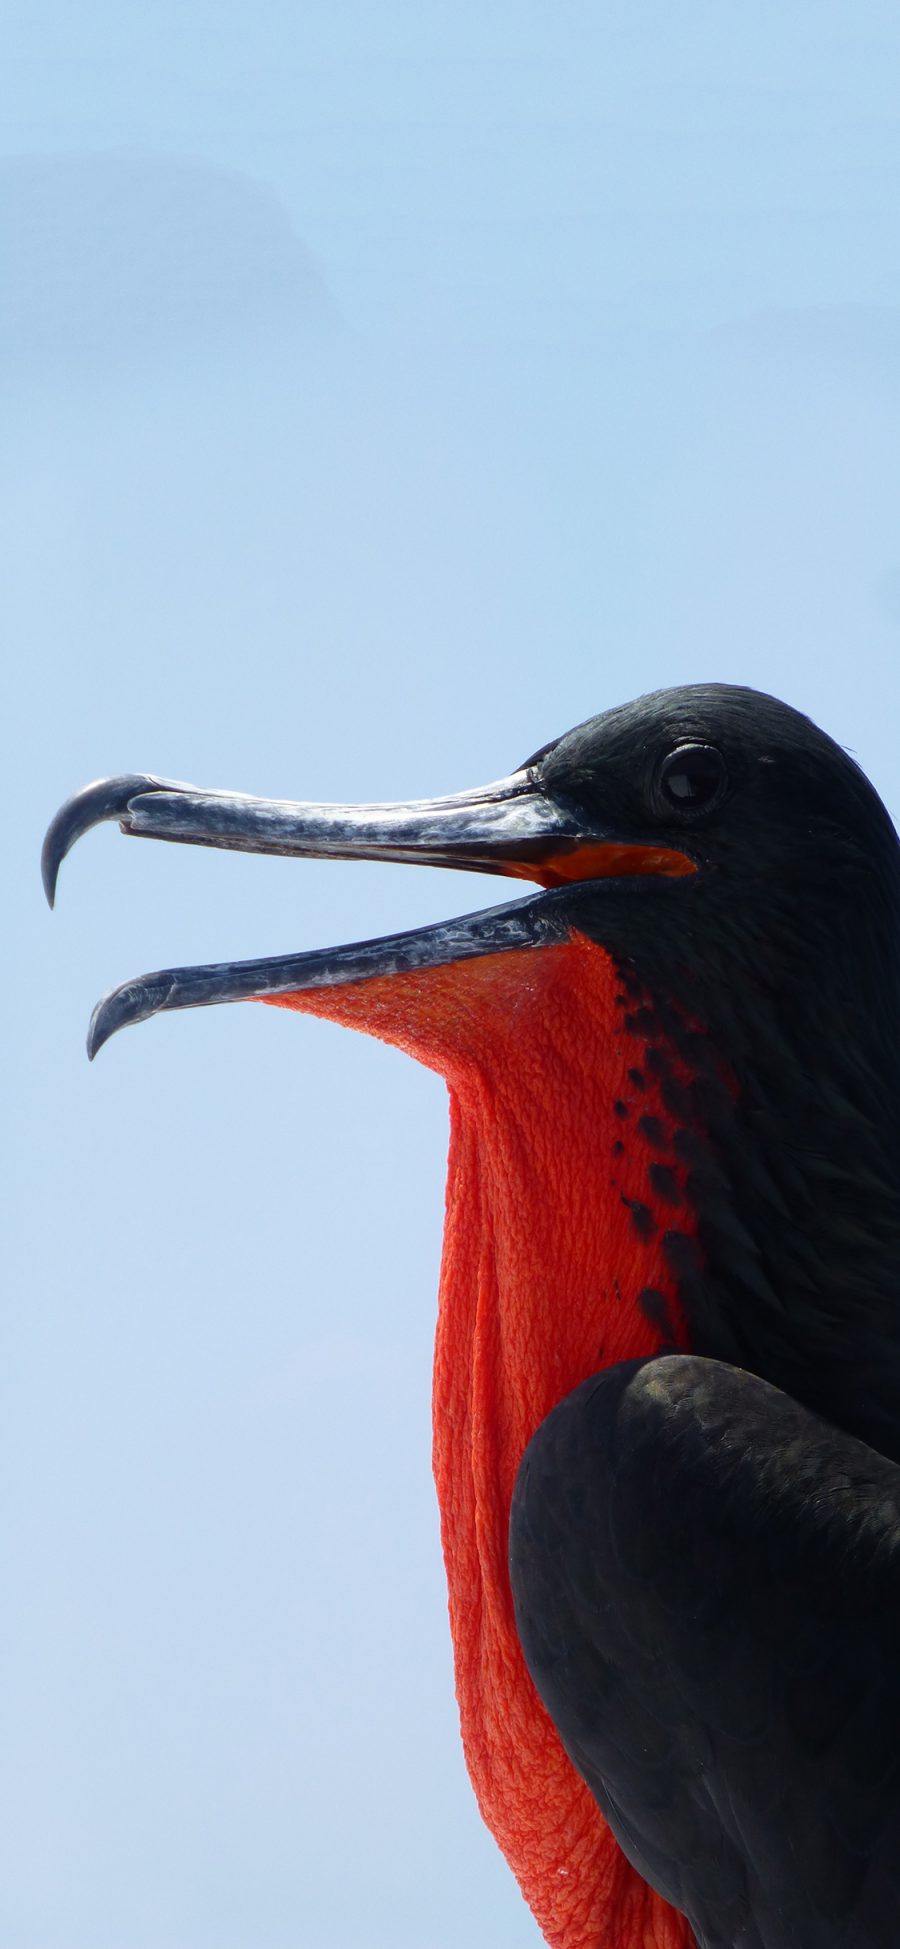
(562,1188)
(775,978)
(790,1135)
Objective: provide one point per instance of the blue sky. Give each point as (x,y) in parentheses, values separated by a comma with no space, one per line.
(385,388)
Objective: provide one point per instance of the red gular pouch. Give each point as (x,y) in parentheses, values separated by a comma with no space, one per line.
(562,1185)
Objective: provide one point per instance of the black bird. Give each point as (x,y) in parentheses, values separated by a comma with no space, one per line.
(670,1283)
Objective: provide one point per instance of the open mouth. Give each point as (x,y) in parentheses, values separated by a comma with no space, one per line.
(513,827)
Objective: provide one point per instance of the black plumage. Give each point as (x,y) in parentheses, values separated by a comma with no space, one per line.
(707,1584)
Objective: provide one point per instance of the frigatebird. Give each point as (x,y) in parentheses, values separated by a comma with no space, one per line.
(667,1378)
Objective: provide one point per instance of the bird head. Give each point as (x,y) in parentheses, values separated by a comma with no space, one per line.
(690,823)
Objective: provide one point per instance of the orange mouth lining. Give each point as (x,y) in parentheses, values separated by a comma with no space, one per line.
(607,860)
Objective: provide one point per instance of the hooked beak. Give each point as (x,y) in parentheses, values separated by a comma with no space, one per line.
(513,827)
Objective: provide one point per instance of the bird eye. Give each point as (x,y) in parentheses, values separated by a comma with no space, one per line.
(693,777)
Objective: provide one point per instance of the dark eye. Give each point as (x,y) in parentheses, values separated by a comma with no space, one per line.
(693,777)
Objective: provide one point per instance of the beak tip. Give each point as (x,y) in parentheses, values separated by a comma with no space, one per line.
(51,860)
(132,1001)
(97,1033)
(107,798)
(112,1012)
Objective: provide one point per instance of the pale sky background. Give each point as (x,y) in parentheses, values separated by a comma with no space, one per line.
(385,387)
